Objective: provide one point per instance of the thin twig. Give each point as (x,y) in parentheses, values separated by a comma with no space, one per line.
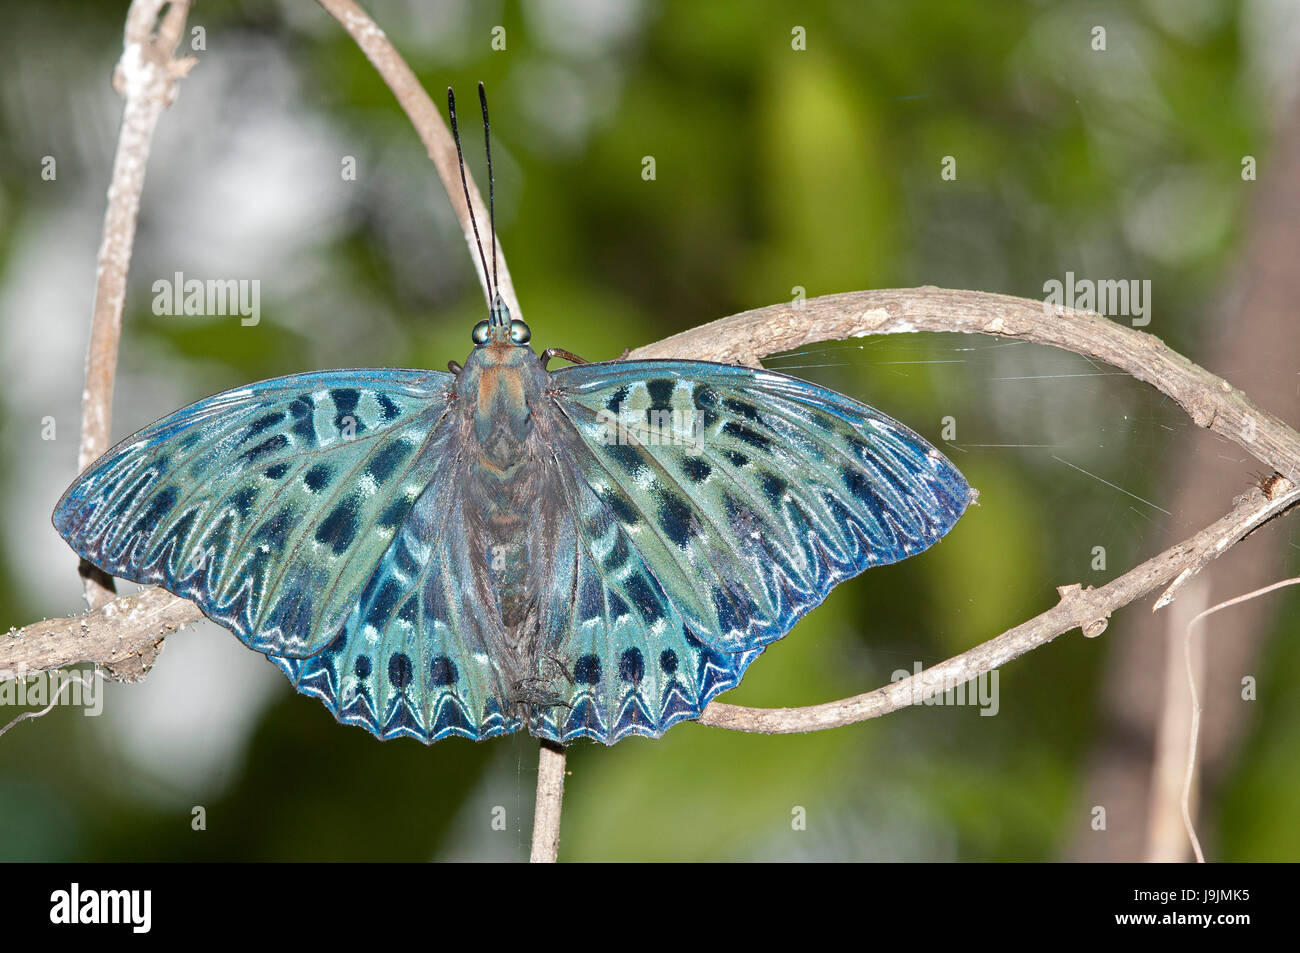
(550,796)
(146,76)
(73,679)
(432,130)
(1166,838)
(1194,734)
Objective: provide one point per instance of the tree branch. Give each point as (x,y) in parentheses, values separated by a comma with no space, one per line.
(146,75)
(550,795)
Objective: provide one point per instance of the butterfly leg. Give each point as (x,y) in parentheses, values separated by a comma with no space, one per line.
(534,693)
(454,367)
(551,352)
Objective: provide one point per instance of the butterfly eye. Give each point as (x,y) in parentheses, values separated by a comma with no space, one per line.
(519,332)
(480,334)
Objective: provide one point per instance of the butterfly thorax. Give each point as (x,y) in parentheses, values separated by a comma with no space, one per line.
(500,387)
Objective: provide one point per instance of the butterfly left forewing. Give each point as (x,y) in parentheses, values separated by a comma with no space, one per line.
(269,506)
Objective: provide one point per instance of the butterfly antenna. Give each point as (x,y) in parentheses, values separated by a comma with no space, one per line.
(492,203)
(464,184)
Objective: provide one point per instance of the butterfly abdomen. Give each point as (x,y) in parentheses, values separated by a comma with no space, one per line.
(500,388)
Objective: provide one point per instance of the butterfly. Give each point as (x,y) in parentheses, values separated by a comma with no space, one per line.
(594,551)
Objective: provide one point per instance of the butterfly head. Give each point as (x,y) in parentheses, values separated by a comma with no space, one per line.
(500,329)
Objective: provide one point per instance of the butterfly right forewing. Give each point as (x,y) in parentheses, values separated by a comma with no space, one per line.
(704,536)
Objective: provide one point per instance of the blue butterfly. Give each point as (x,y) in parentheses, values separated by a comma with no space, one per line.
(595,551)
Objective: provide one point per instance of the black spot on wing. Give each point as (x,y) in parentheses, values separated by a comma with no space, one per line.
(339,528)
(381,607)
(617,555)
(384,462)
(616,399)
(362,666)
(617,607)
(661,393)
(274,530)
(704,397)
(345,400)
(742,407)
(676,518)
(668,661)
(158,507)
(265,448)
(394,513)
(276,471)
(624,510)
(442,671)
(301,406)
(631,665)
(587,670)
(696,469)
(746,435)
(242,501)
(265,422)
(648,602)
(626,456)
(318,477)
(399,670)
(774,488)
(856,482)
(305,430)
(388,409)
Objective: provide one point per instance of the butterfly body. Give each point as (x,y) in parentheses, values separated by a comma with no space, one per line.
(499,390)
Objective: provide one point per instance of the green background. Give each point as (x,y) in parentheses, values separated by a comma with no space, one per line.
(775,169)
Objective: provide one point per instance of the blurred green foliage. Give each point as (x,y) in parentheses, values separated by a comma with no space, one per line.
(775,168)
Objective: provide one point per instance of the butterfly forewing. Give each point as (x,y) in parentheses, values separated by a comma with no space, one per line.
(269,506)
(716,505)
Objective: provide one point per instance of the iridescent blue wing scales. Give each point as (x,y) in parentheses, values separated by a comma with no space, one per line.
(316,516)
(268,505)
(716,505)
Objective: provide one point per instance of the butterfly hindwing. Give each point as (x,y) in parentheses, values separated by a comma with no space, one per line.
(630,660)
(269,506)
(410,658)
(717,504)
